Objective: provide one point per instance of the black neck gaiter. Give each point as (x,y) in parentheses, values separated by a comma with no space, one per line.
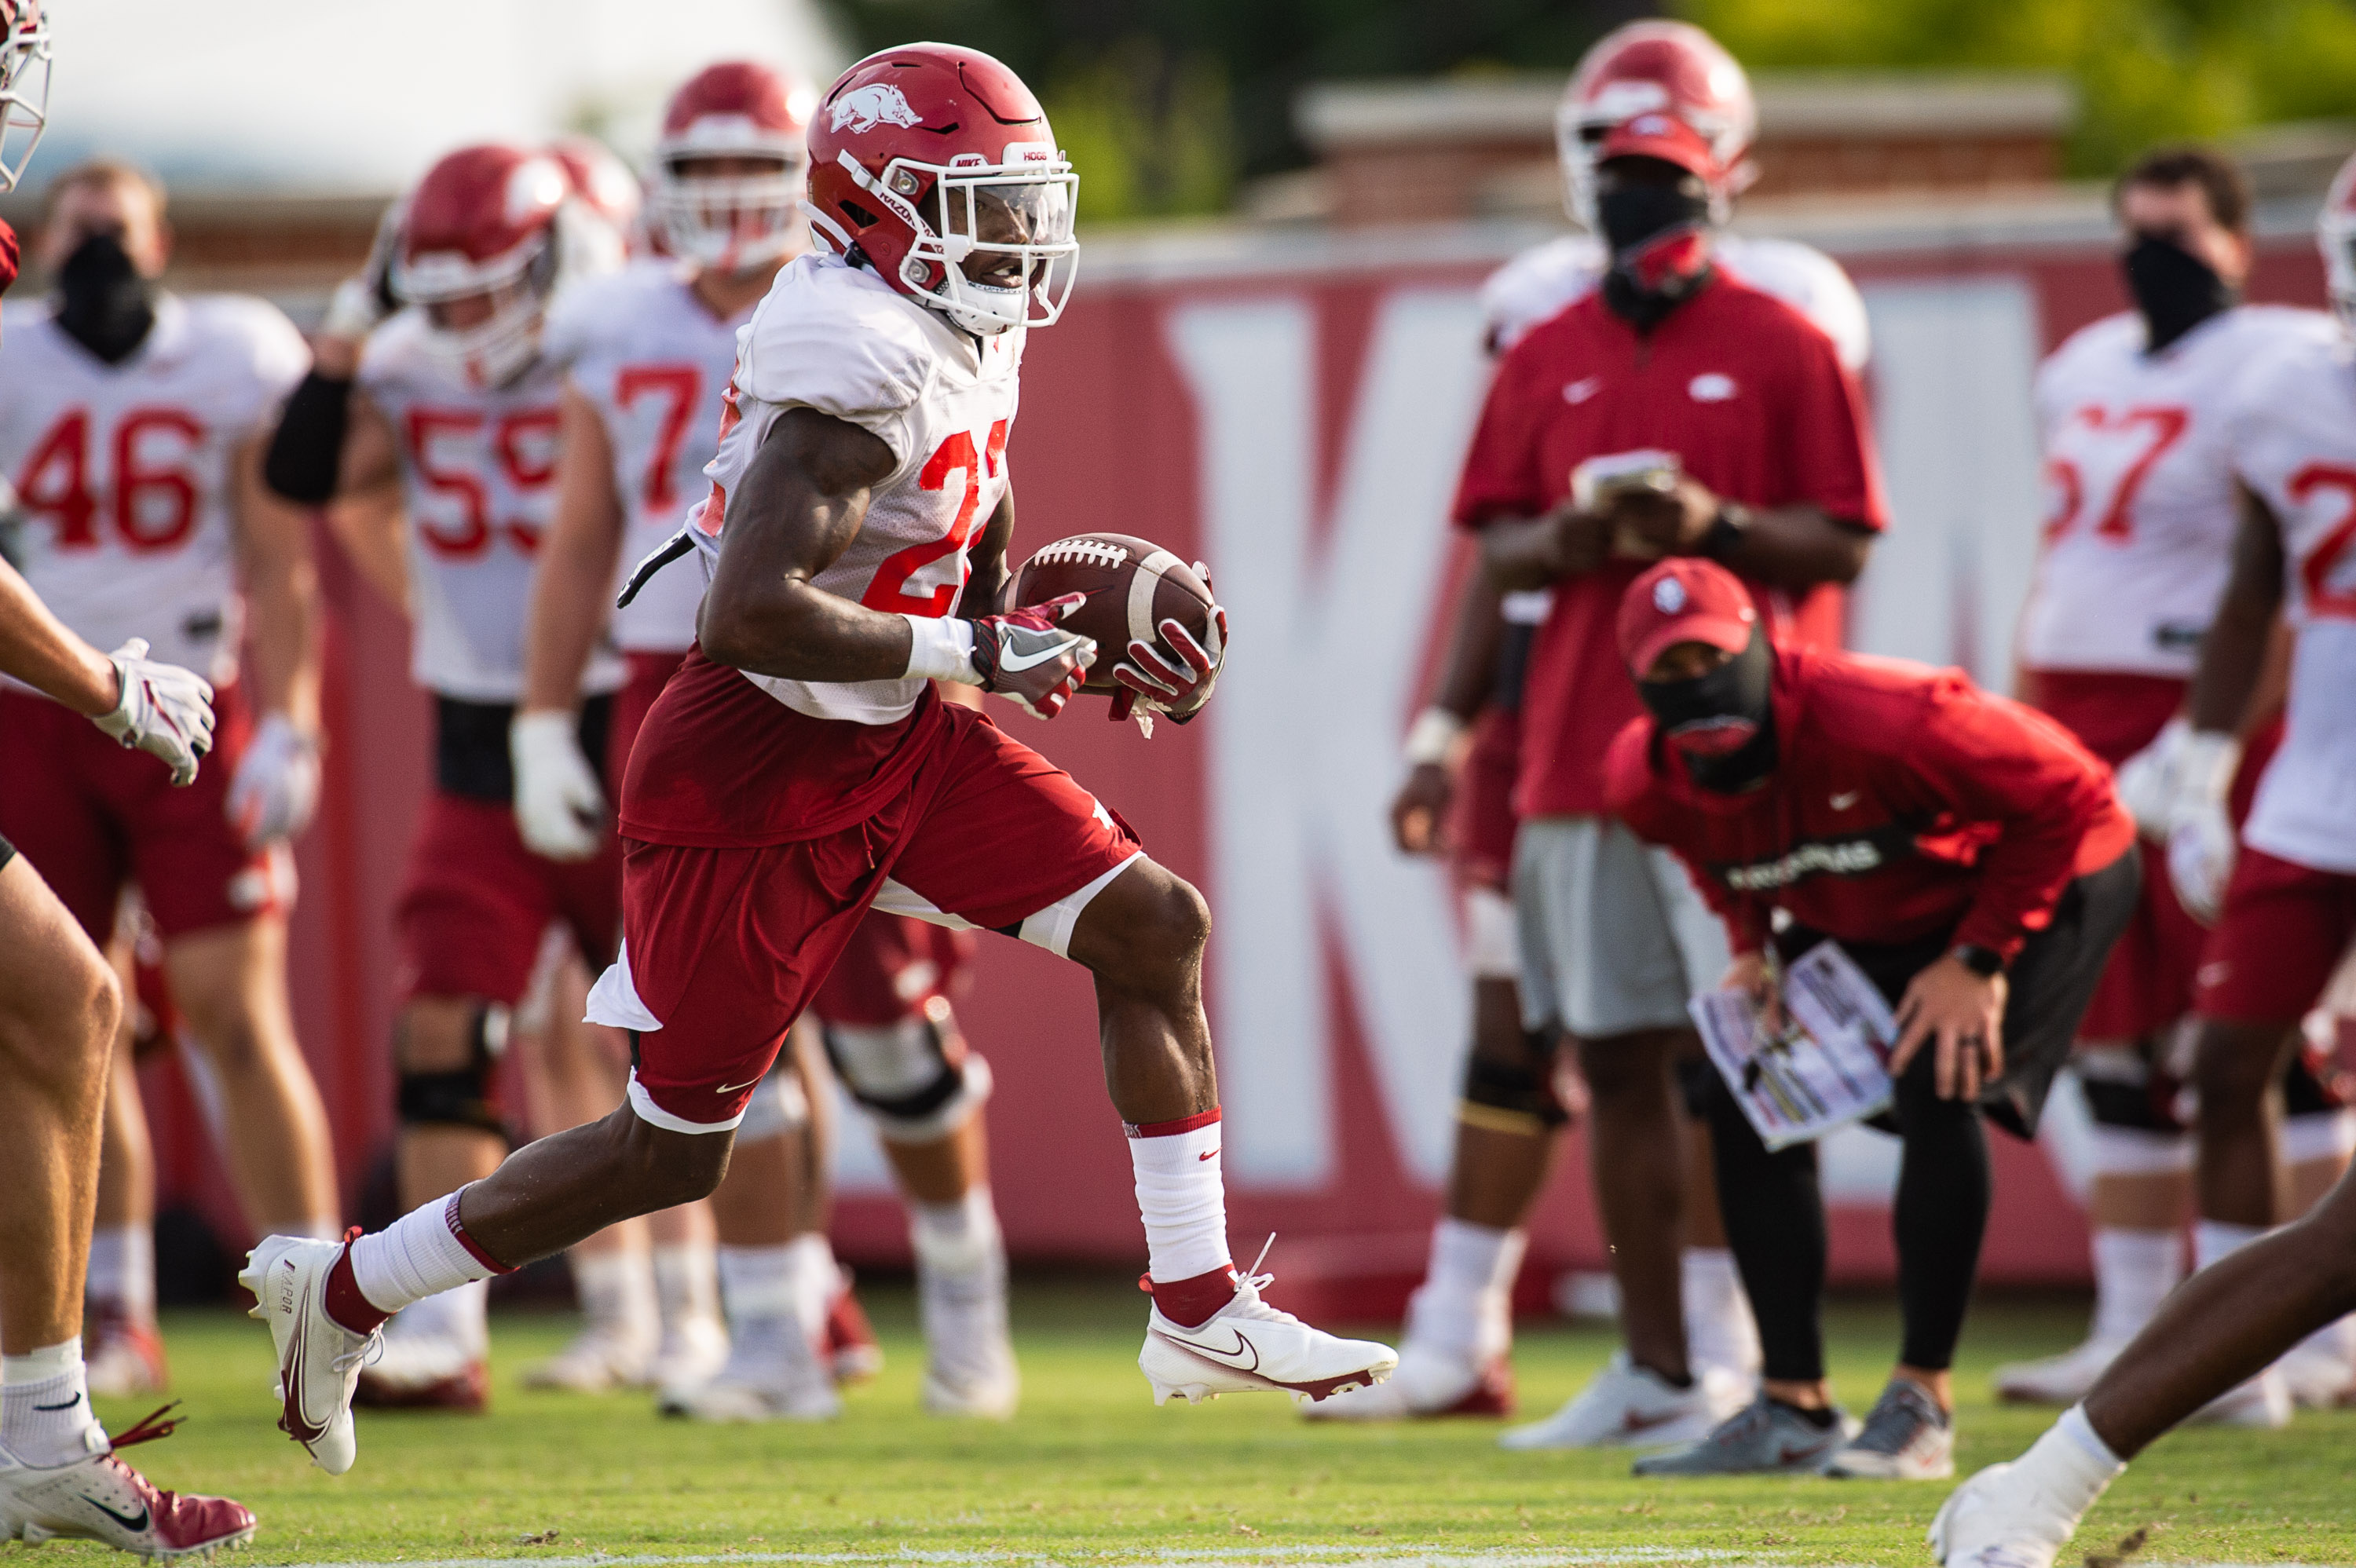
(1659,238)
(1723,724)
(2174,290)
(104,304)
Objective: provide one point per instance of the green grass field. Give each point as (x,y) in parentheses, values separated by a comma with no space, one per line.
(1091,1472)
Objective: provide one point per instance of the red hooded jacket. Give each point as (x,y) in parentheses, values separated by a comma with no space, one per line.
(1904,801)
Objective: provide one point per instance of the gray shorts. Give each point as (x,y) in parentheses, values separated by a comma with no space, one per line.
(1613,937)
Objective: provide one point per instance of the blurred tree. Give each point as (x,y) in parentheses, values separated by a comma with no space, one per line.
(2147,71)
(1164,104)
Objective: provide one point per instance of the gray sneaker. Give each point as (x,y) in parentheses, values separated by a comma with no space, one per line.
(1763,1437)
(1907,1437)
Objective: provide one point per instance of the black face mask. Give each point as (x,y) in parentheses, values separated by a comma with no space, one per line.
(1723,724)
(2175,290)
(1660,252)
(105,305)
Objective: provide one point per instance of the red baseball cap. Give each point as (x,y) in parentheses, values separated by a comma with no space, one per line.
(1685,599)
(1657,133)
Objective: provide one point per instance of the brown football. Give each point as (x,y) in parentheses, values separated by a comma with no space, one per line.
(1132,584)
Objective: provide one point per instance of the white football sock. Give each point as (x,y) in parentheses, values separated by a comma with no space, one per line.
(815,1279)
(687,1284)
(1465,1303)
(122,1270)
(958,1237)
(1720,1329)
(2216,1239)
(2070,1463)
(756,1285)
(617,1290)
(45,1415)
(420,1254)
(2134,1272)
(1181,1196)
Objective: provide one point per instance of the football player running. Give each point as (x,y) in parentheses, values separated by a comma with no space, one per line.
(800,768)
(1460,1325)
(2289,912)
(59,1475)
(130,424)
(648,355)
(2133,415)
(437,441)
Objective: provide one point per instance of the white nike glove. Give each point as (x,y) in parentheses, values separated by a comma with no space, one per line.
(163,709)
(1026,656)
(2183,771)
(558,805)
(2200,848)
(277,785)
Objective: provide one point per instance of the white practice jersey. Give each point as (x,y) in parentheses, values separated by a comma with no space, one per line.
(127,473)
(2139,487)
(2294,441)
(656,363)
(1542,282)
(478,471)
(836,338)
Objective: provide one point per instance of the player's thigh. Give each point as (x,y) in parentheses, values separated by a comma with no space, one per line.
(473,904)
(193,864)
(229,982)
(52,814)
(1610,943)
(2279,937)
(58,998)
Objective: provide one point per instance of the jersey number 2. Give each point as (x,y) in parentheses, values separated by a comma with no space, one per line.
(955,455)
(2323,598)
(151,505)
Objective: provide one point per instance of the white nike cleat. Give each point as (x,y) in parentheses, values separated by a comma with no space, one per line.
(772,1374)
(2062,1380)
(1248,1345)
(692,1352)
(1627,1406)
(2001,1519)
(598,1359)
(2261,1404)
(1432,1380)
(101,1498)
(969,1367)
(320,1360)
(125,1357)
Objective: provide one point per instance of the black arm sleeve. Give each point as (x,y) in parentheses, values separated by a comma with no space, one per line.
(308,446)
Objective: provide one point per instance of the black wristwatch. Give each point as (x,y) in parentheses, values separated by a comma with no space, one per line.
(1985,962)
(1724,530)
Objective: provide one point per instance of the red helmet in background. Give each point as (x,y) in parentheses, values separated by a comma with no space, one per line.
(732,222)
(924,156)
(1667,68)
(2335,232)
(23,85)
(497,221)
(605,188)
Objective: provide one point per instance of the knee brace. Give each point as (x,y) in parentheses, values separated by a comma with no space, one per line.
(463,1096)
(1513,1096)
(779,1106)
(914,1078)
(1696,1082)
(2125,1091)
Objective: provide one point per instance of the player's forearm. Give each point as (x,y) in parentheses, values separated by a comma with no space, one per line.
(284,604)
(1518,555)
(372,528)
(37,648)
(1797,548)
(1470,671)
(801,633)
(570,595)
(2232,656)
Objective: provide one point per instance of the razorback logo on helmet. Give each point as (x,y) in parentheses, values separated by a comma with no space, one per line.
(878,103)
(1656,68)
(23,85)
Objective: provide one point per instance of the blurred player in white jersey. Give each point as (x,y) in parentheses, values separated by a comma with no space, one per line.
(1459,1327)
(2288,913)
(131,423)
(438,443)
(649,353)
(2132,414)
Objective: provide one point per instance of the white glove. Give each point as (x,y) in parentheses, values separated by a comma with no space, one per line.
(558,804)
(2183,770)
(277,785)
(164,710)
(2201,860)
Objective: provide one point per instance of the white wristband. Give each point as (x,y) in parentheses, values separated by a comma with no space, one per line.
(1433,736)
(941,649)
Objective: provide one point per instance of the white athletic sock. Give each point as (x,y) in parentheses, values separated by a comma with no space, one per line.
(2215,1239)
(816,1279)
(1720,1329)
(1465,1304)
(2134,1272)
(45,1415)
(1181,1196)
(756,1285)
(2071,1464)
(461,1314)
(687,1284)
(122,1270)
(422,1253)
(955,1238)
(617,1290)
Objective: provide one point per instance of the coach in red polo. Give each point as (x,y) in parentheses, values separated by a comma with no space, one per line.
(1975,861)
(1766,465)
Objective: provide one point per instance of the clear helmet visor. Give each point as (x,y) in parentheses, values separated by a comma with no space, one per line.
(729,219)
(1004,243)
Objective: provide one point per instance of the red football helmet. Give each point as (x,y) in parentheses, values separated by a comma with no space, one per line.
(2335,232)
(23,85)
(604,186)
(1673,68)
(924,157)
(732,222)
(498,222)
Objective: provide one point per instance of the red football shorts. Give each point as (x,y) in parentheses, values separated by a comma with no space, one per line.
(90,814)
(724,947)
(1481,822)
(894,964)
(649,672)
(476,903)
(2283,932)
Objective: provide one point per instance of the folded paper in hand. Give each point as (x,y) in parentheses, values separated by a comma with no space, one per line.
(1825,1070)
